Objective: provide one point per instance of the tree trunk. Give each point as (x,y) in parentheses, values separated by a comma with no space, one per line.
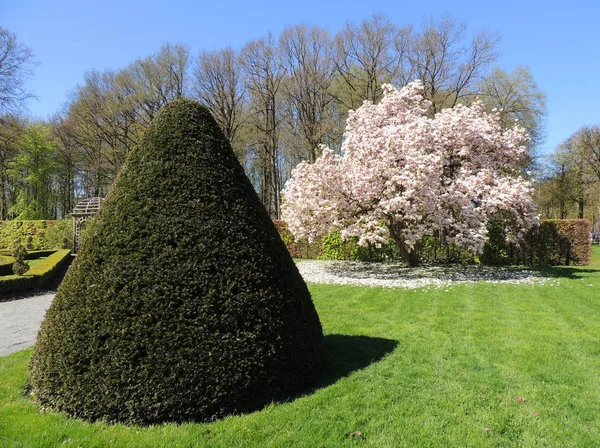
(409,254)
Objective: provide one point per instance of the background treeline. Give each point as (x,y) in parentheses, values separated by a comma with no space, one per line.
(570,182)
(277,99)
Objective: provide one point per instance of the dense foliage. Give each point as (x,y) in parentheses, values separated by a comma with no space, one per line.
(37,235)
(334,247)
(298,248)
(183,303)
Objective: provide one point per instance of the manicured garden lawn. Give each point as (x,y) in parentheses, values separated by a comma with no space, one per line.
(473,365)
(36,262)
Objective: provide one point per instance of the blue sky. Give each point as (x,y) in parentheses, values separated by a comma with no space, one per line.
(558,40)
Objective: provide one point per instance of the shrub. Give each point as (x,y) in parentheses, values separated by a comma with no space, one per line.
(334,247)
(496,251)
(19,267)
(183,302)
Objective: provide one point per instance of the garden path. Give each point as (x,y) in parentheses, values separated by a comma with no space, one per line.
(20,321)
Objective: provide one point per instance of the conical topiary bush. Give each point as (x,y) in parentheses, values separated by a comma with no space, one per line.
(183,303)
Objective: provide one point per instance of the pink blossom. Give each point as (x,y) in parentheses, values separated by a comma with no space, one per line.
(401,171)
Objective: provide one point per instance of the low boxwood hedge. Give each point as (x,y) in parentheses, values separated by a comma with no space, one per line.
(6,262)
(38,276)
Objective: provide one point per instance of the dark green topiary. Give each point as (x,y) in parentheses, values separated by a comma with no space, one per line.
(183,302)
(19,267)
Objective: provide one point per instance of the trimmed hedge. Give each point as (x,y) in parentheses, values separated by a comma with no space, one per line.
(577,247)
(37,235)
(37,276)
(6,263)
(554,242)
(183,302)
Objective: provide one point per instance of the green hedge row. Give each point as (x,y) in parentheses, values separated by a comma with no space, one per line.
(37,235)
(333,247)
(38,276)
(554,242)
(6,262)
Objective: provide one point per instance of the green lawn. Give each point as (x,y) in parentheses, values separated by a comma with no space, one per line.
(478,365)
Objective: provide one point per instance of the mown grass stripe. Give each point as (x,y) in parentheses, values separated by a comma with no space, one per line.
(479,365)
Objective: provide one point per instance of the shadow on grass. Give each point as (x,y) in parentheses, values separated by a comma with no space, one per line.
(569,272)
(347,354)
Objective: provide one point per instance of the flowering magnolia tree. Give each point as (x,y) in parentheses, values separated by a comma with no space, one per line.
(404,175)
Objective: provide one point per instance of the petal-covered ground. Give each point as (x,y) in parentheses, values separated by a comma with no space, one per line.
(397,275)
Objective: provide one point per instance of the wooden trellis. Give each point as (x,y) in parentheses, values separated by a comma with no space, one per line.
(83,211)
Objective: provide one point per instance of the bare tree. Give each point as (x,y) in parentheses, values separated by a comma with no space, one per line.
(450,69)
(92,125)
(587,142)
(264,72)
(157,79)
(576,174)
(67,154)
(11,132)
(16,65)
(110,111)
(218,84)
(517,99)
(307,54)
(367,56)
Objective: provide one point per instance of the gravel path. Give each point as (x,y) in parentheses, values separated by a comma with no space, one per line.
(20,321)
